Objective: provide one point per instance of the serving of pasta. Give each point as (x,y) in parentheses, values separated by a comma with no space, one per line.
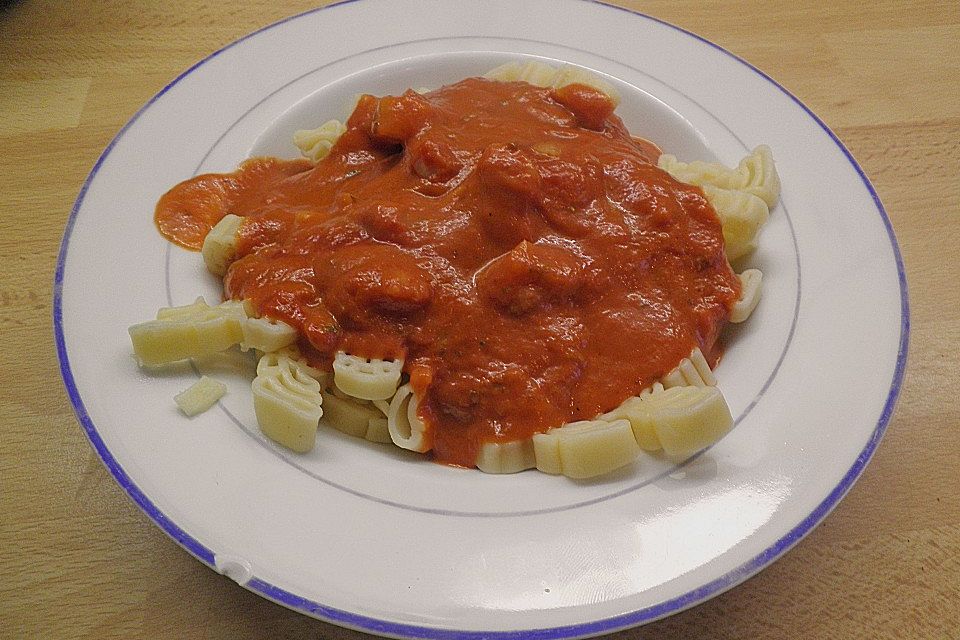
(495,274)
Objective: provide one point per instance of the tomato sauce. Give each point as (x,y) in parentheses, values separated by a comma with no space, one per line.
(514,244)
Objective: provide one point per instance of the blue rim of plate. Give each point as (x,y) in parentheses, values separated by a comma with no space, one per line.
(606,625)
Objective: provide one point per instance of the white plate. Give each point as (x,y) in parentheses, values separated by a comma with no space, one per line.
(367,537)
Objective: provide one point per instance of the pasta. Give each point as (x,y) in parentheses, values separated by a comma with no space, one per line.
(367,379)
(292,352)
(586,448)
(315,144)
(200,310)
(359,418)
(742,214)
(534,72)
(679,420)
(362,262)
(355,419)
(750,295)
(287,402)
(200,396)
(220,245)
(684,419)
(641,414)
(634,412)
(160,342)
(693,371)
(742,197)
(198,330)
(506,457)
(756,174)
(406,428)
(378,430)
(568,75)
(382,405)
(543,75)
(266,335)
(197,310)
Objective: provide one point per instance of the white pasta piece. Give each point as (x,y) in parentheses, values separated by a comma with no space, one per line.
(537,73)
(586,449)
(546,453)
(691,417)
(220,245)
(378,430)
(346,396)
(266,335)
(691,372)
(200,396)
(195,330)
(160,342)
(598,449)
(735,251)
(349,416)
(292,352)
(239,309)
(316,143)
(383,405)
(198,310)
(741,216)
(372,379)
(698,172)
(674,379)
(633,410)
(288,364)
(287,401)
(357,418)
(687,419)
(279,363)
(271,361)
(568,74)
(760,175)
(506,457)
(703,368)
(286,418)
(742,197)
(543,75)
(230,362)
(750,281)
(657,386)
(756,174)
(507,72)
(407,430)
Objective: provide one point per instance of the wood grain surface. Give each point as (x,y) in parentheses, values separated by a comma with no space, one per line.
(79,560)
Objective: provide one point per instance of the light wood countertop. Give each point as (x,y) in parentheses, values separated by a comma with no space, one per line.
(79,560)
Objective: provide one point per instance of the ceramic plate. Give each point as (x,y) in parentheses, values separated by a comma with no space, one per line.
(367,537)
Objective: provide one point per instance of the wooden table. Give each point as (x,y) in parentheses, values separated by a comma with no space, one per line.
(77,558)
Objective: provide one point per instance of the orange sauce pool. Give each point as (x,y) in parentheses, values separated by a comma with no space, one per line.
(515,245)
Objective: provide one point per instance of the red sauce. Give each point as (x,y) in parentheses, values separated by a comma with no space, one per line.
(514,244)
